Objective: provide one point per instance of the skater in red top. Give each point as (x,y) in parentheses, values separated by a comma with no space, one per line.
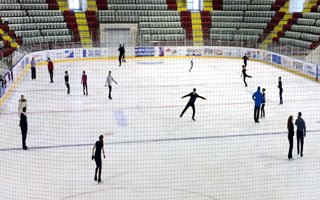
(84,83)
(50,69)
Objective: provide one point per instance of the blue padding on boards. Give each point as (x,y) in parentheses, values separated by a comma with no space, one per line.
(120,118)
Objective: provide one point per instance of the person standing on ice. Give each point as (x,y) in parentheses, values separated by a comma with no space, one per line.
(290,135)
(84,83)
(50,69)
(280,90)
(33,69)
(121,53)
(245,59)
(245,75)
(192,62)
(96,155)
(193,96)
(66,81)
(263,102)
(24,127)
(301,133)
(109,82)
(258,98)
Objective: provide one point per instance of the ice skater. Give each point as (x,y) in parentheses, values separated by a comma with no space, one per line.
(245,59)
(280,90)
(245,75)
(24,127)
(263,102)
(50,69)
(193,96)
(257,97)
(192,62)
(121,53)
(66,81)
(33,69)
(301,133)
(96,155)
(109,83)
(84,80)
(290,136)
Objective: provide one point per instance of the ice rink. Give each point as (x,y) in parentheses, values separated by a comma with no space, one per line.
(152,153)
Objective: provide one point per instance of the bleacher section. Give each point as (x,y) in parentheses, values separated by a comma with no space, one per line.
(243,20)
(303,30)
(34,21)
(156,22)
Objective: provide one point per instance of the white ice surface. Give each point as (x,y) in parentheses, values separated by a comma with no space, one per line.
(156,155)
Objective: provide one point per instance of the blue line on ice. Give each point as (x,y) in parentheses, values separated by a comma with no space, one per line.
(155,140)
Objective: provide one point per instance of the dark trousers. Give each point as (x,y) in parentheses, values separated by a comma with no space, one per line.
(193,109)
(256,113)
(245,62)
(51,75)
(300,141)
(120,59)
(290,138)
(244,79)
(68,87)
(262,110)
(85,89)
(110,89)
(98,168)
(280,95)
(33,73)
(24,138)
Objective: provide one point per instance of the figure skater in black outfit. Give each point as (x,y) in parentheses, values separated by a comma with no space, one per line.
(121,53)
(245,75)
(96,155)
(193,96)
(290,135)
(245,59)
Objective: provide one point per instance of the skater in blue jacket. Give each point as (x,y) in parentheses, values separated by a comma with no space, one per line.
(258,99)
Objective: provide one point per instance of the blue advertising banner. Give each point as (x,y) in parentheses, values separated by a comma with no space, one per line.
(276,59)
(144,51)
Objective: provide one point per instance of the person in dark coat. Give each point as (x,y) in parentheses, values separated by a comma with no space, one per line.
(50,69)
(263,102)
(258,98)
(245,75)
(66,81)
(33,69)
(96,155)
(193,96)
(290,135)
(24,127)
(121,53)
(280,90)
(245,59)
(84,80)
(301,133)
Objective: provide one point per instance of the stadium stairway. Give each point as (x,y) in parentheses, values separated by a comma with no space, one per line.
(197,29)
(8,40)
(207,5)
(83,28)
(278,27)
(91,5)
(181,4)
(63,5)
(308,6)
